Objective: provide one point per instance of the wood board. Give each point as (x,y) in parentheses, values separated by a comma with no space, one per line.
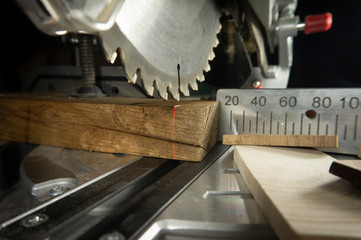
(298,195)
(282,140)
(349,170)
(182,130)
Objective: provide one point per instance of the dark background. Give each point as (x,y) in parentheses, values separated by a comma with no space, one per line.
(329,59)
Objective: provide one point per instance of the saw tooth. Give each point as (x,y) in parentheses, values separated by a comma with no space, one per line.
(216,42)
(200,78)
(184,89)
(194,86)
(207,68)
(211,56)
(163,94)
(133,79)
(148,87)
(219,25)
(149,90)
(162,90)
(175,94)
(132,73)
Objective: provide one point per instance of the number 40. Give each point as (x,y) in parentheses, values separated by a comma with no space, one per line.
(261,101)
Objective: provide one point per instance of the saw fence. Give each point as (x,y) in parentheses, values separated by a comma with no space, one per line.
(182,130)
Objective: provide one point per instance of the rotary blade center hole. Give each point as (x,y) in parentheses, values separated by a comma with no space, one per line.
(311,114)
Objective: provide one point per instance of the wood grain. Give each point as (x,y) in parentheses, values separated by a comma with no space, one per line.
(297,194)
(183,130)
(349,170)
(282,140)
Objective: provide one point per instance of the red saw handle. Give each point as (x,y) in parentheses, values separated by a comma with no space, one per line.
(318,23)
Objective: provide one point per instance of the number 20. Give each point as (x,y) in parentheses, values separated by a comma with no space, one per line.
(234,100)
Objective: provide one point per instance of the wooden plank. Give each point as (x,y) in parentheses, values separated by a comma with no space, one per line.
(297,194)
(349,170)
(282,140)
(183,130)
(359,152)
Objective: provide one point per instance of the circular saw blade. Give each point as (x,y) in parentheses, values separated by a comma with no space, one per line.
(167,43)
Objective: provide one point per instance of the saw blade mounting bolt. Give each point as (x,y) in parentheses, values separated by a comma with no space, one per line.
(86,60)
(85,44)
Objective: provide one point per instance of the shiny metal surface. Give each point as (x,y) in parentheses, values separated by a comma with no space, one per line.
(166,43)
(217,205)
(294,112)
(51,171)
(278,20)
(56,17)
(217,197)
(172,229)
(125,201)
(87,191)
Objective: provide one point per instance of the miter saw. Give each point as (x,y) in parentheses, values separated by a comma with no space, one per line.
(165,47)
(168,44)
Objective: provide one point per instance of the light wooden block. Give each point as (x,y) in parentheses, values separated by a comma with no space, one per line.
(282,140)
(298,195)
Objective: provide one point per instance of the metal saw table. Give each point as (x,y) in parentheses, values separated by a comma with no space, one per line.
(151,199)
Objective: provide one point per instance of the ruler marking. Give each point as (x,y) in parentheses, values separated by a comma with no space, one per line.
(270,124)
(230,121)
(257,122)
(286,124)
(327,129)
(318,124)
(244,119)
(344,121)
(355,131)
(336,125)
(301,127)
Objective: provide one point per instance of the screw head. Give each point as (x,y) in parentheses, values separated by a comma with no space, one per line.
(256,84)
(57,190)
(34,220)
